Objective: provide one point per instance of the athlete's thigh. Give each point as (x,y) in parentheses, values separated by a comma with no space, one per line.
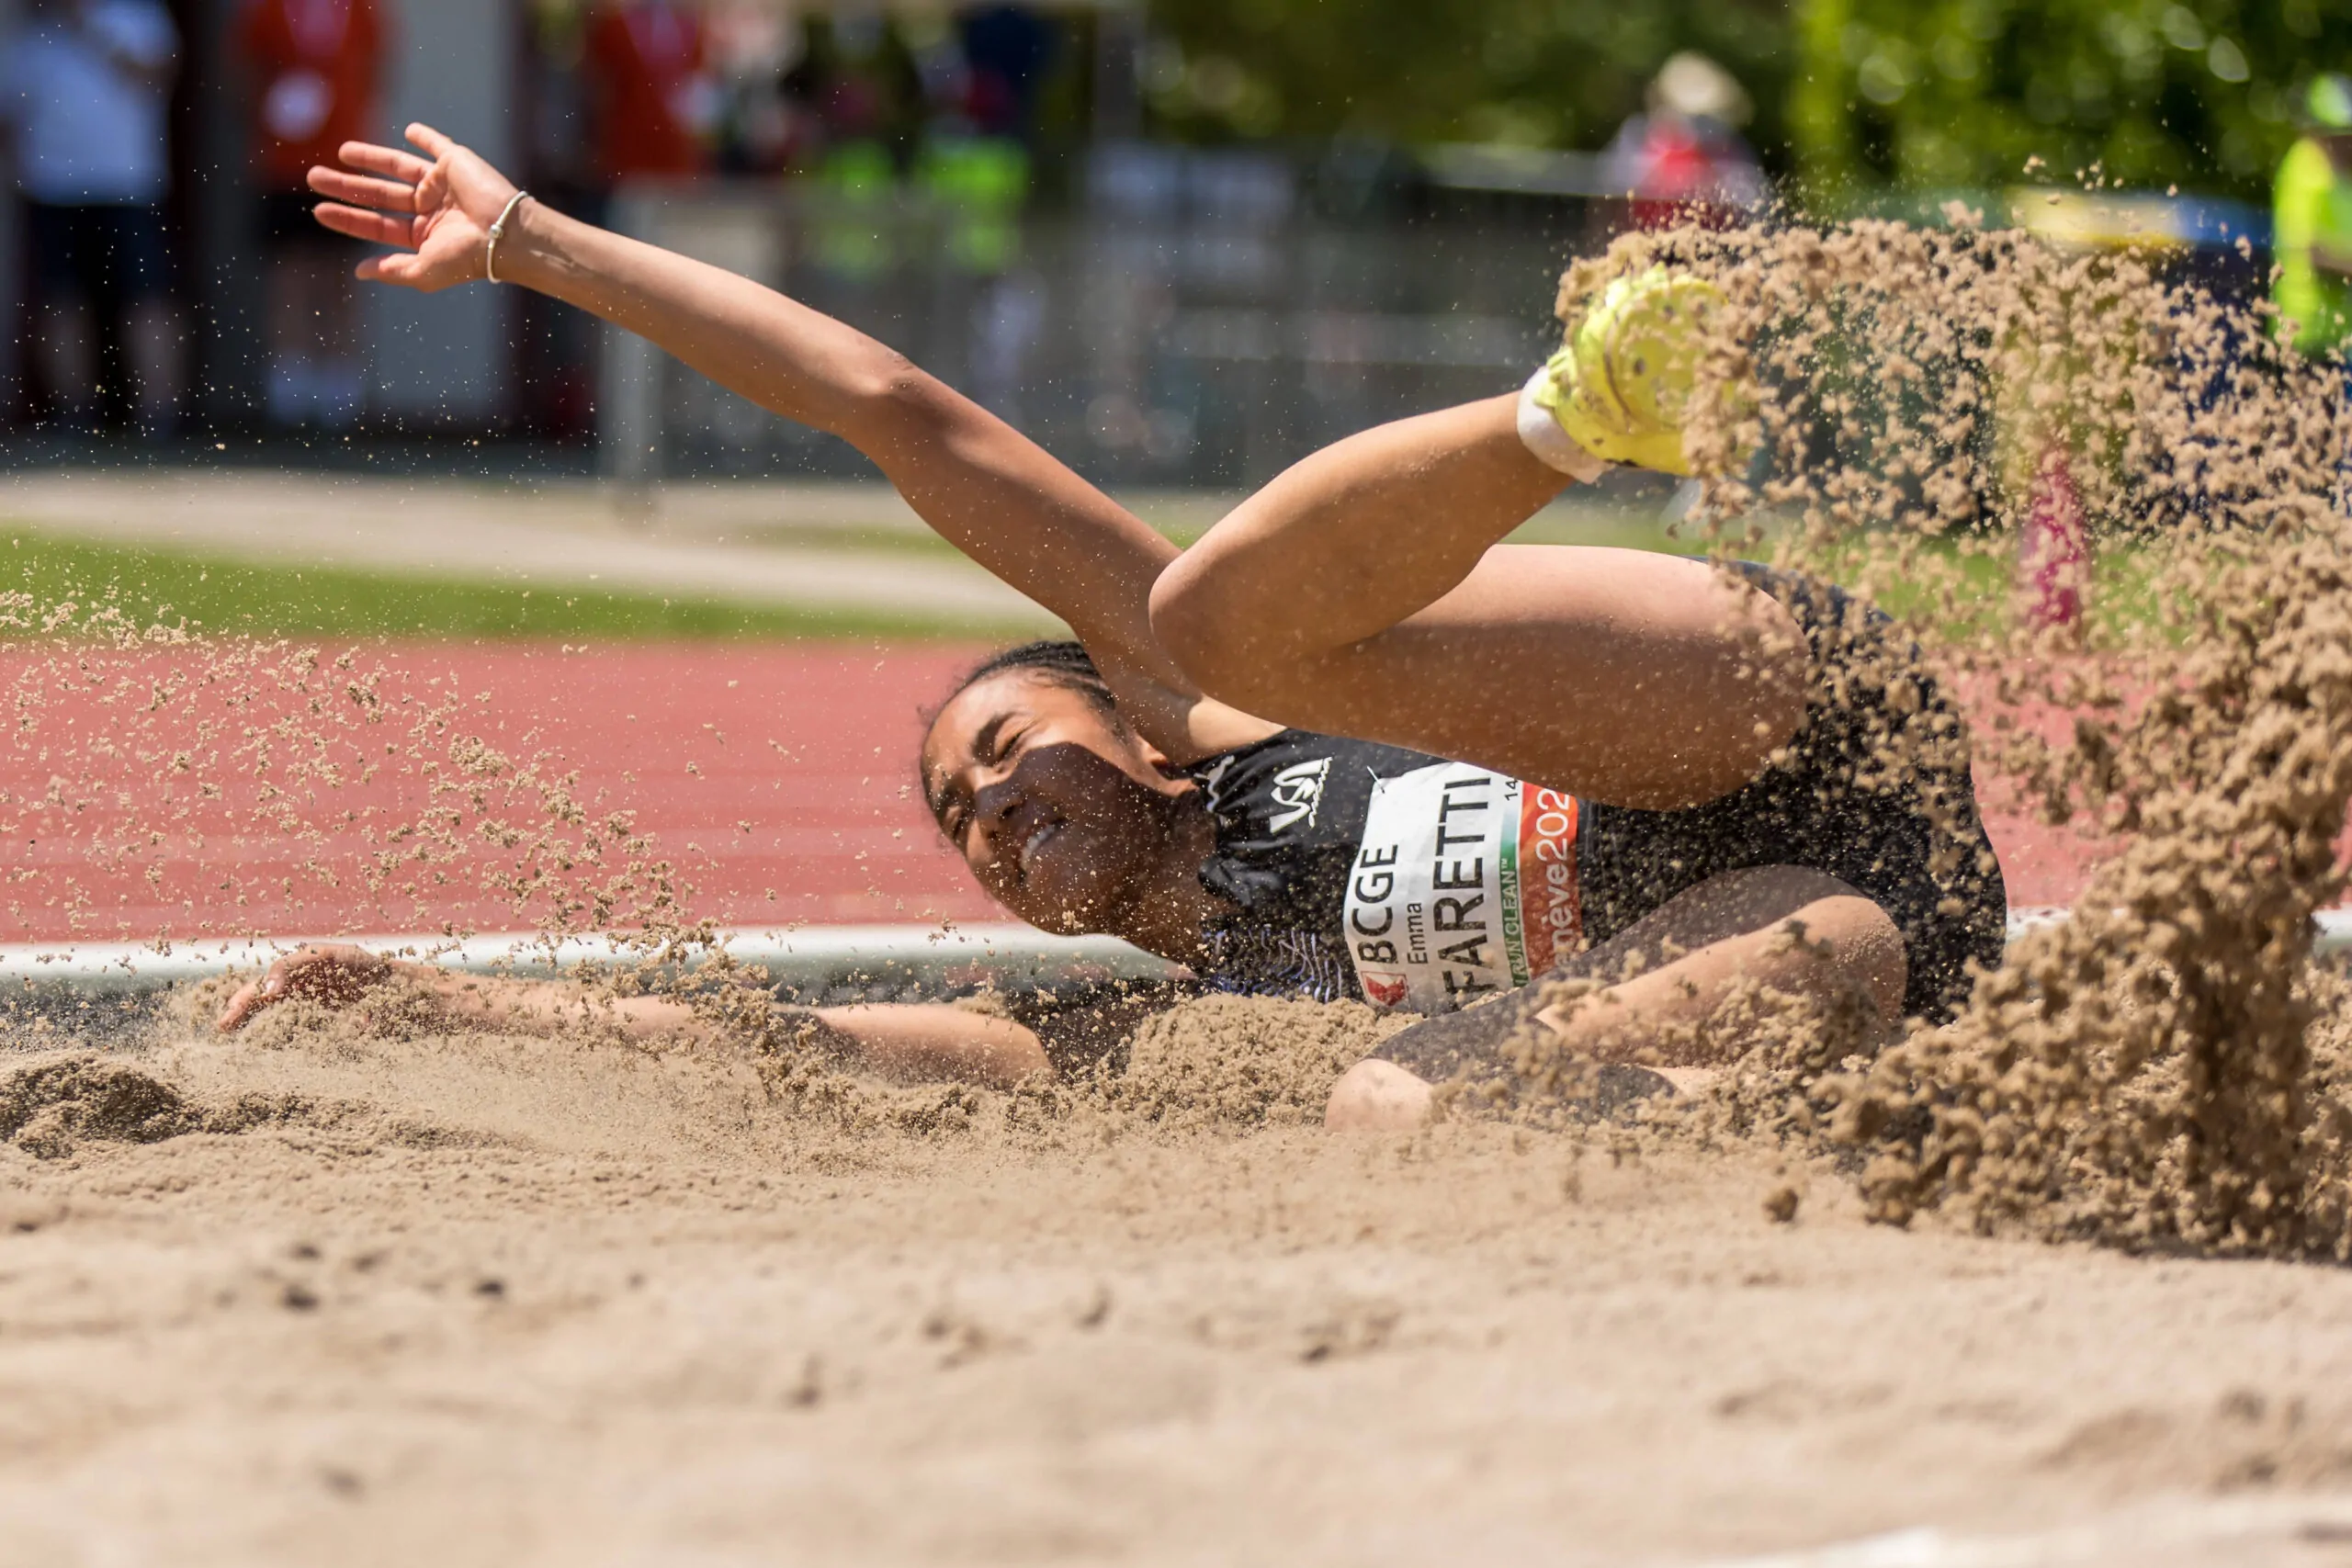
(1621,676)
(1735,924)
(1678,963)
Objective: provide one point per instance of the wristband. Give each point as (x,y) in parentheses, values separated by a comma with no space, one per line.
(498,233)
(1540,433)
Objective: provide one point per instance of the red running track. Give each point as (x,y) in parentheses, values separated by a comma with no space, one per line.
(150,793)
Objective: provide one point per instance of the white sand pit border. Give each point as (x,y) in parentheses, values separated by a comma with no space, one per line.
(810,956)
(806,957)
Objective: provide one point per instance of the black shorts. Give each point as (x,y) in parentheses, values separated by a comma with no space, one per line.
(283,223)
(114,256)
(1874,789)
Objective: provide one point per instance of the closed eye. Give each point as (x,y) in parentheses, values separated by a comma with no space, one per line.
(996,742)
(949,809)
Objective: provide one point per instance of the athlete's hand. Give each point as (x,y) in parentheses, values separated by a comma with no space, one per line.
(337,976)
(437,214)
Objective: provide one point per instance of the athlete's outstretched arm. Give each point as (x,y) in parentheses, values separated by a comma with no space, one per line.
(911,1041)
(986,488)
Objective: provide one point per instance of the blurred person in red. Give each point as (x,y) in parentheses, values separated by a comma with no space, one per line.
(317,68)
(657,99)
(83,89)
(1684,161)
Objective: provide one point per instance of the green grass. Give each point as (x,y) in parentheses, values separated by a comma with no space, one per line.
(152,587)
(2123,592)
(222,597)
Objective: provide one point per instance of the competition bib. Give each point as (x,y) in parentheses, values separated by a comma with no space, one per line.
(1464,885)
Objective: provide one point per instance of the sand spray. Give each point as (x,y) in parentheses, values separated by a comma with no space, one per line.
(1880,404)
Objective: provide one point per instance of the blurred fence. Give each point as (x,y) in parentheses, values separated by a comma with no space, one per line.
(1206,319)
(1188,321)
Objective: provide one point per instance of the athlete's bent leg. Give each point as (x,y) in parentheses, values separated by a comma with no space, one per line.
(1363,593)
(1785,928)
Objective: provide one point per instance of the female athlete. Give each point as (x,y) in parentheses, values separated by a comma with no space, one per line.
(1348,744)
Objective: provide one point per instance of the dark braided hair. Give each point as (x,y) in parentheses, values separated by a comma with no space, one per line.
(1063,662)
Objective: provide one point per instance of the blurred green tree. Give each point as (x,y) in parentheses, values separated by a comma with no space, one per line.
(1532,73)
(1961,92)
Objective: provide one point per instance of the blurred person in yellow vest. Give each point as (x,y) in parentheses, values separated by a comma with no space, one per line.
(978,183)
(2313,238)
(860,84)
(982,77)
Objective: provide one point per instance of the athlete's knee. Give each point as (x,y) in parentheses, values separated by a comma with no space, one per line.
(1861,945)
(1377,1096)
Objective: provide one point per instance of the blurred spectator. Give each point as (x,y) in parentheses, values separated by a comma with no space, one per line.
(1684,160)
(753,45)
(858,86)
(561,152)
(657,102)
(83,88)
(316,67)
(554,367)
(859,82)
(2313,239)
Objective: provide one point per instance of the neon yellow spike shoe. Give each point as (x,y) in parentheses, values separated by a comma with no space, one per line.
(1618,387)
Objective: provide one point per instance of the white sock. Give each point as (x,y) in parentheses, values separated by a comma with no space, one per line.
(1554,447)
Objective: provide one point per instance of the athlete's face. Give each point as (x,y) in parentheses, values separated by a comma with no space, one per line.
(1064,813)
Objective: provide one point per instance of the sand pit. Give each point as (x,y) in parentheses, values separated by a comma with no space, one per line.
(371,1299)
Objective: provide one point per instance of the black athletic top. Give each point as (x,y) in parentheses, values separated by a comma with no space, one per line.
(1367,871)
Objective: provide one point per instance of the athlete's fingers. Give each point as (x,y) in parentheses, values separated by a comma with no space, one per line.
(242,1005)
(385,196)
(435,145)
(275,984)
(393,162)
(375,227)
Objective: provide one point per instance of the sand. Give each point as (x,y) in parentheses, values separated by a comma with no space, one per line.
(495,1301)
